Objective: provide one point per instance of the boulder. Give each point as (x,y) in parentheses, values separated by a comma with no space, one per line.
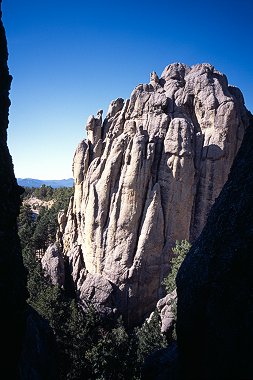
(53,265)
(97,292)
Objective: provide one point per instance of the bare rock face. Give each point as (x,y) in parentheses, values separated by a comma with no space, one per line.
(215,284)
(53,265)
(147,176)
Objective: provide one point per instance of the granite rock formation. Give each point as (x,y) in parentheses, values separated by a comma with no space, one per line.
(146,176)
(215,284)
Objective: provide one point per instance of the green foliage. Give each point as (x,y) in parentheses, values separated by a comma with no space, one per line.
(46,193)
(79,330)
(46,226)
(120,355)
(71,327)
(62,196)
(38,232)
(45,298)
(110,357)
(28,191)
(149,338)
(26,225)
(35,278)
(179,253)
(88,347)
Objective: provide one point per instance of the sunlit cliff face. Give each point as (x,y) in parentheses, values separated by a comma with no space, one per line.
(147,176)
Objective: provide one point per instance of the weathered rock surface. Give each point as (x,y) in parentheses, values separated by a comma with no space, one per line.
(215,284)
(148,175)
(96,289)
(53,265)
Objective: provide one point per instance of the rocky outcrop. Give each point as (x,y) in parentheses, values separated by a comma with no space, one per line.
(53,265)
(146,176)
(215,284)
(166,307)
(12,277)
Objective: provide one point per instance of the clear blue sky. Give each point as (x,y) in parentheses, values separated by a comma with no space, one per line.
(70,58)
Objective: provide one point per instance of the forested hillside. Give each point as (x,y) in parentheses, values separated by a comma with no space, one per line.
(37,228)
(31,182)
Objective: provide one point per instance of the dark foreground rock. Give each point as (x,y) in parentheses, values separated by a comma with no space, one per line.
(215,284)
(39,355)
(12,275)
(162,364)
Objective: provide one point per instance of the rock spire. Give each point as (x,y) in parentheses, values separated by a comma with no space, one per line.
(146,176)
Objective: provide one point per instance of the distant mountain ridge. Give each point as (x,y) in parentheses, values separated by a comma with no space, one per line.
(54,183)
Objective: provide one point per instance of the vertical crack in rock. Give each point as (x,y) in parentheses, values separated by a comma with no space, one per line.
(156,164)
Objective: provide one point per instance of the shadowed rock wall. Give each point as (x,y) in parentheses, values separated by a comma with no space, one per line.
(215,283)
